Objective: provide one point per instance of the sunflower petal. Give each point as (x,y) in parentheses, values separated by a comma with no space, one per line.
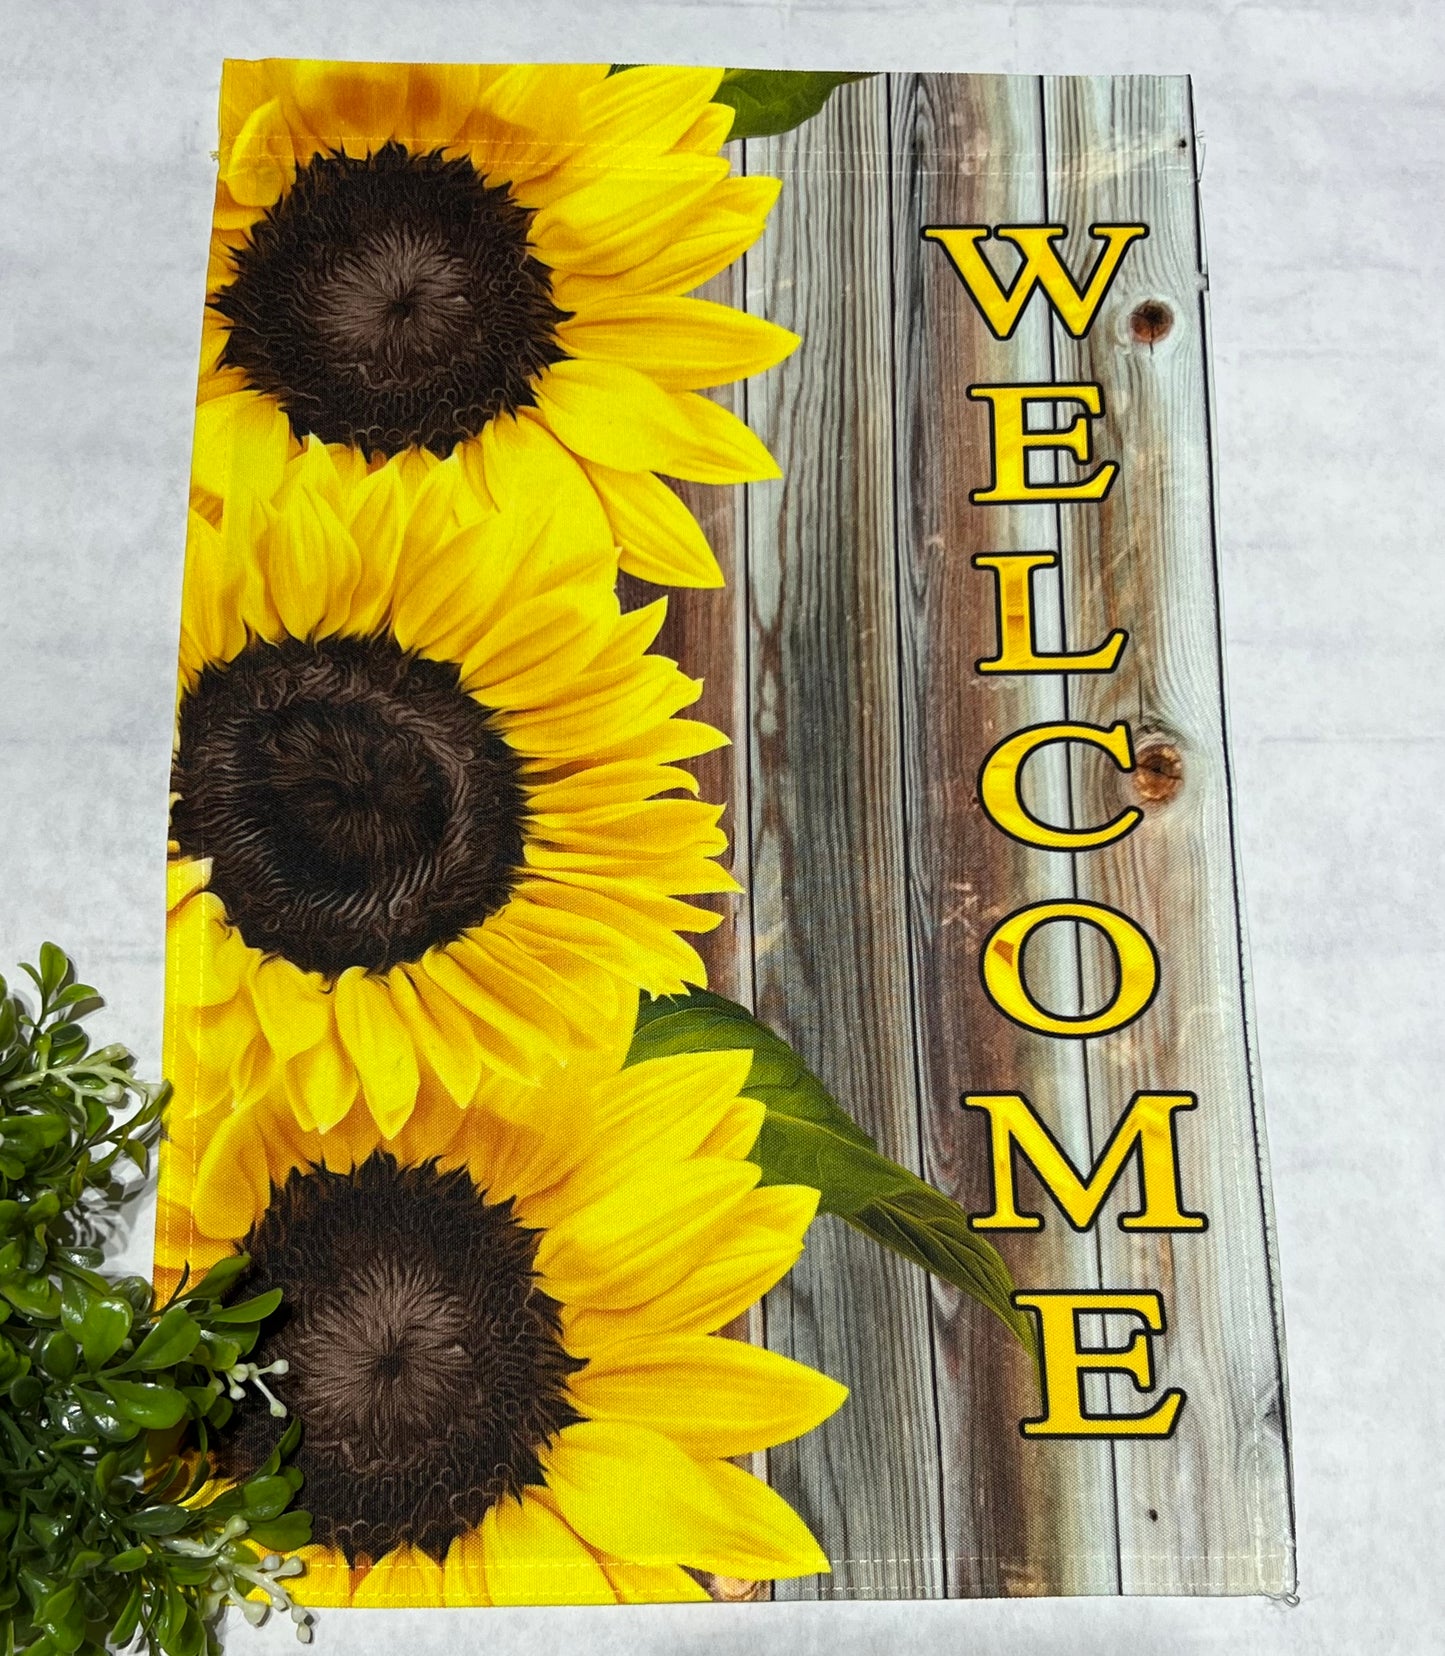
(256,170)
(240,428)
(731,219)
(440,1033)
(533,1557)
(536,483)
(464,1575)
(313,567)
(650,1115)
(233,1182)
(616,784)
(531,654)
(672,739)
(321,1084)
(620,418)
(206,959)
(736,1134)
(213,613)
(375,1039)
(681,344)
(348,105)
(541,96)
(653,1583)
(744,1254)
(613,219)
(293,1011)
(376,523)
(709,132)
(602,710)
(326,1583)
(405,1577)
(650,106)
(620,935)
(660,539)
(713,1397)
(707,1514)
(512,1044)
(637,1241)
(616,834)
(184,877)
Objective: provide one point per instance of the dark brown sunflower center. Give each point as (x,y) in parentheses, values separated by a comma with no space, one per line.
(391,302)
(425,1364)
(358,807)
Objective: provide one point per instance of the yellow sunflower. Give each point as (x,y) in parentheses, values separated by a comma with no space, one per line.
(426,259)
(417,831)
(501,1335)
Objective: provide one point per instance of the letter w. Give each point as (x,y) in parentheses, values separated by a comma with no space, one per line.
(1041,267)
(1147,1127)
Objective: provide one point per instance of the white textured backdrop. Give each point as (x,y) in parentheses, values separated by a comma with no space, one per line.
(1326,227)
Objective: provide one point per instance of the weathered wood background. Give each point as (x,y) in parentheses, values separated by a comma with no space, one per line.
(841,658)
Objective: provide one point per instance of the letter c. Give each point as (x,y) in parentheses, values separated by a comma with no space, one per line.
(1000,778)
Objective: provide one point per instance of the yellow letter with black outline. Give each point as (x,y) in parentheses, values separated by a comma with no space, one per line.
(1075,307)
(1000,794)
(1064,1361)
(1011,443)
(1147,1128)
(1017,643)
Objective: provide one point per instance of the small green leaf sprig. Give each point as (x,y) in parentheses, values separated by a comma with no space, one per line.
(114,1530)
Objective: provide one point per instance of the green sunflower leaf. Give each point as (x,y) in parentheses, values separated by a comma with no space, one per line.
(807,1138)
(769,101)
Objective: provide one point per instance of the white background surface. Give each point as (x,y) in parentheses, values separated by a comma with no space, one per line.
(1326,230)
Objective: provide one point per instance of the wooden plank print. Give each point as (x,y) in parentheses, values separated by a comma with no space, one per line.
(965,152)
(866,725)
(1144,560)
(829,898)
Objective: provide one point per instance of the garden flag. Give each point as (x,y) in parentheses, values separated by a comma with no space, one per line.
(705,968)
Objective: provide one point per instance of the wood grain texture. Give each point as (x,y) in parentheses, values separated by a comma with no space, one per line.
(1019,1516)
(841,659)
(829,891)
(1206,1511)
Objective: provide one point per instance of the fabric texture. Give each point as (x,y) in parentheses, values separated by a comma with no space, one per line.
(700,845)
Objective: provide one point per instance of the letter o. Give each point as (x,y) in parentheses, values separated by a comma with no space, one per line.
(1003,979)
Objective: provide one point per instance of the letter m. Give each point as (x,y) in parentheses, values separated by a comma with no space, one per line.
(1146,1129)
(1041,267)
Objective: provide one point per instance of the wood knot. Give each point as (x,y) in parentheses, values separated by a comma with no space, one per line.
(1150,321)
(1158,773)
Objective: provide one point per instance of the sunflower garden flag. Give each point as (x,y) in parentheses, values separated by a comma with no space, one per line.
(704,950)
